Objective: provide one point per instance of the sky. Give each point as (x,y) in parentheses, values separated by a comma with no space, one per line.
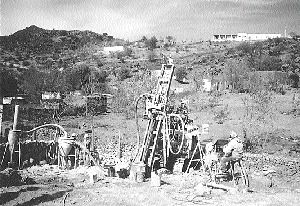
(132,19)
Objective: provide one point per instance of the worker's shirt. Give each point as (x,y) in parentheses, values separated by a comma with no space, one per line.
(234,147)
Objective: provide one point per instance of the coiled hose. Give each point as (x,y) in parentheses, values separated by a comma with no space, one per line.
(166,134)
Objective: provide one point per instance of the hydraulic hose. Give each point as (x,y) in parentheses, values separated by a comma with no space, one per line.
(65,134)
(137,123)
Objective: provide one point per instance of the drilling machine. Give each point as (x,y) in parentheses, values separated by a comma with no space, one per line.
(169,132)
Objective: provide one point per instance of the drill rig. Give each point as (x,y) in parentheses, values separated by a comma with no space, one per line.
(169,131)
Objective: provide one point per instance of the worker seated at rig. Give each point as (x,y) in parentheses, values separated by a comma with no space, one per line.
(233,152)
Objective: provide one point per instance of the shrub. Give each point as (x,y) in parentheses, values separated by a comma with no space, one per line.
(123,73)
(214,100)
(26,63)
(128,52)
(152,56)
(258,114)
(220,115)
(237,74)
(128,92)
(180,73)
(295,80)
(151,43)
(270,63)
(120,56)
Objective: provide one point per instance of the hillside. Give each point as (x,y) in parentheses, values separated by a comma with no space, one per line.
(35,40)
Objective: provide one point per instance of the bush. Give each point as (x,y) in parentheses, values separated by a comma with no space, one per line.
(214,100)
(127,93)
(26,63)
(120,56)
(123,73)
(258,114)
(128,52)
(295,80)
(270,63)
(221,115)
(152,57)
(237,75)
(180,73)
(151,43)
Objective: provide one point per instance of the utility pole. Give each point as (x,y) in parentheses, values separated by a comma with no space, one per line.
(93,110)
(1,105)
(285,33)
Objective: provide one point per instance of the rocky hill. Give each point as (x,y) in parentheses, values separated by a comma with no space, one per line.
(35,40)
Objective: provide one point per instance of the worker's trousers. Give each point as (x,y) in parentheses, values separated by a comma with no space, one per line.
(225,160)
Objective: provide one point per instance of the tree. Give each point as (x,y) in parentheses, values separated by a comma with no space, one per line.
(8,82)
(101,76)
(170,41)
(127,51)
(295,80)
(277,50)
(77,77)
(151,43)
(270,63)
(293,34)
(169,38)
(237,74)
(123,73)
(152,56)
(180,73)
(245,48)
(26,63)
(197,77)
(32,83)
(49,63)
(143,39)
(100,79)
(54,81)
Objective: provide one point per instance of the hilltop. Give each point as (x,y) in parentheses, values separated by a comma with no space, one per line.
(35,40)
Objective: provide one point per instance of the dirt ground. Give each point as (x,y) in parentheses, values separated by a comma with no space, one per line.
(57,187)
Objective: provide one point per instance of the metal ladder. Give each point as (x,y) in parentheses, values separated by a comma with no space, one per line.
(164,83)
(157,117)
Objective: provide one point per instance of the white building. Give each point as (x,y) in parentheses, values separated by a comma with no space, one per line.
(243,37)
(112,49)
(51,96)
